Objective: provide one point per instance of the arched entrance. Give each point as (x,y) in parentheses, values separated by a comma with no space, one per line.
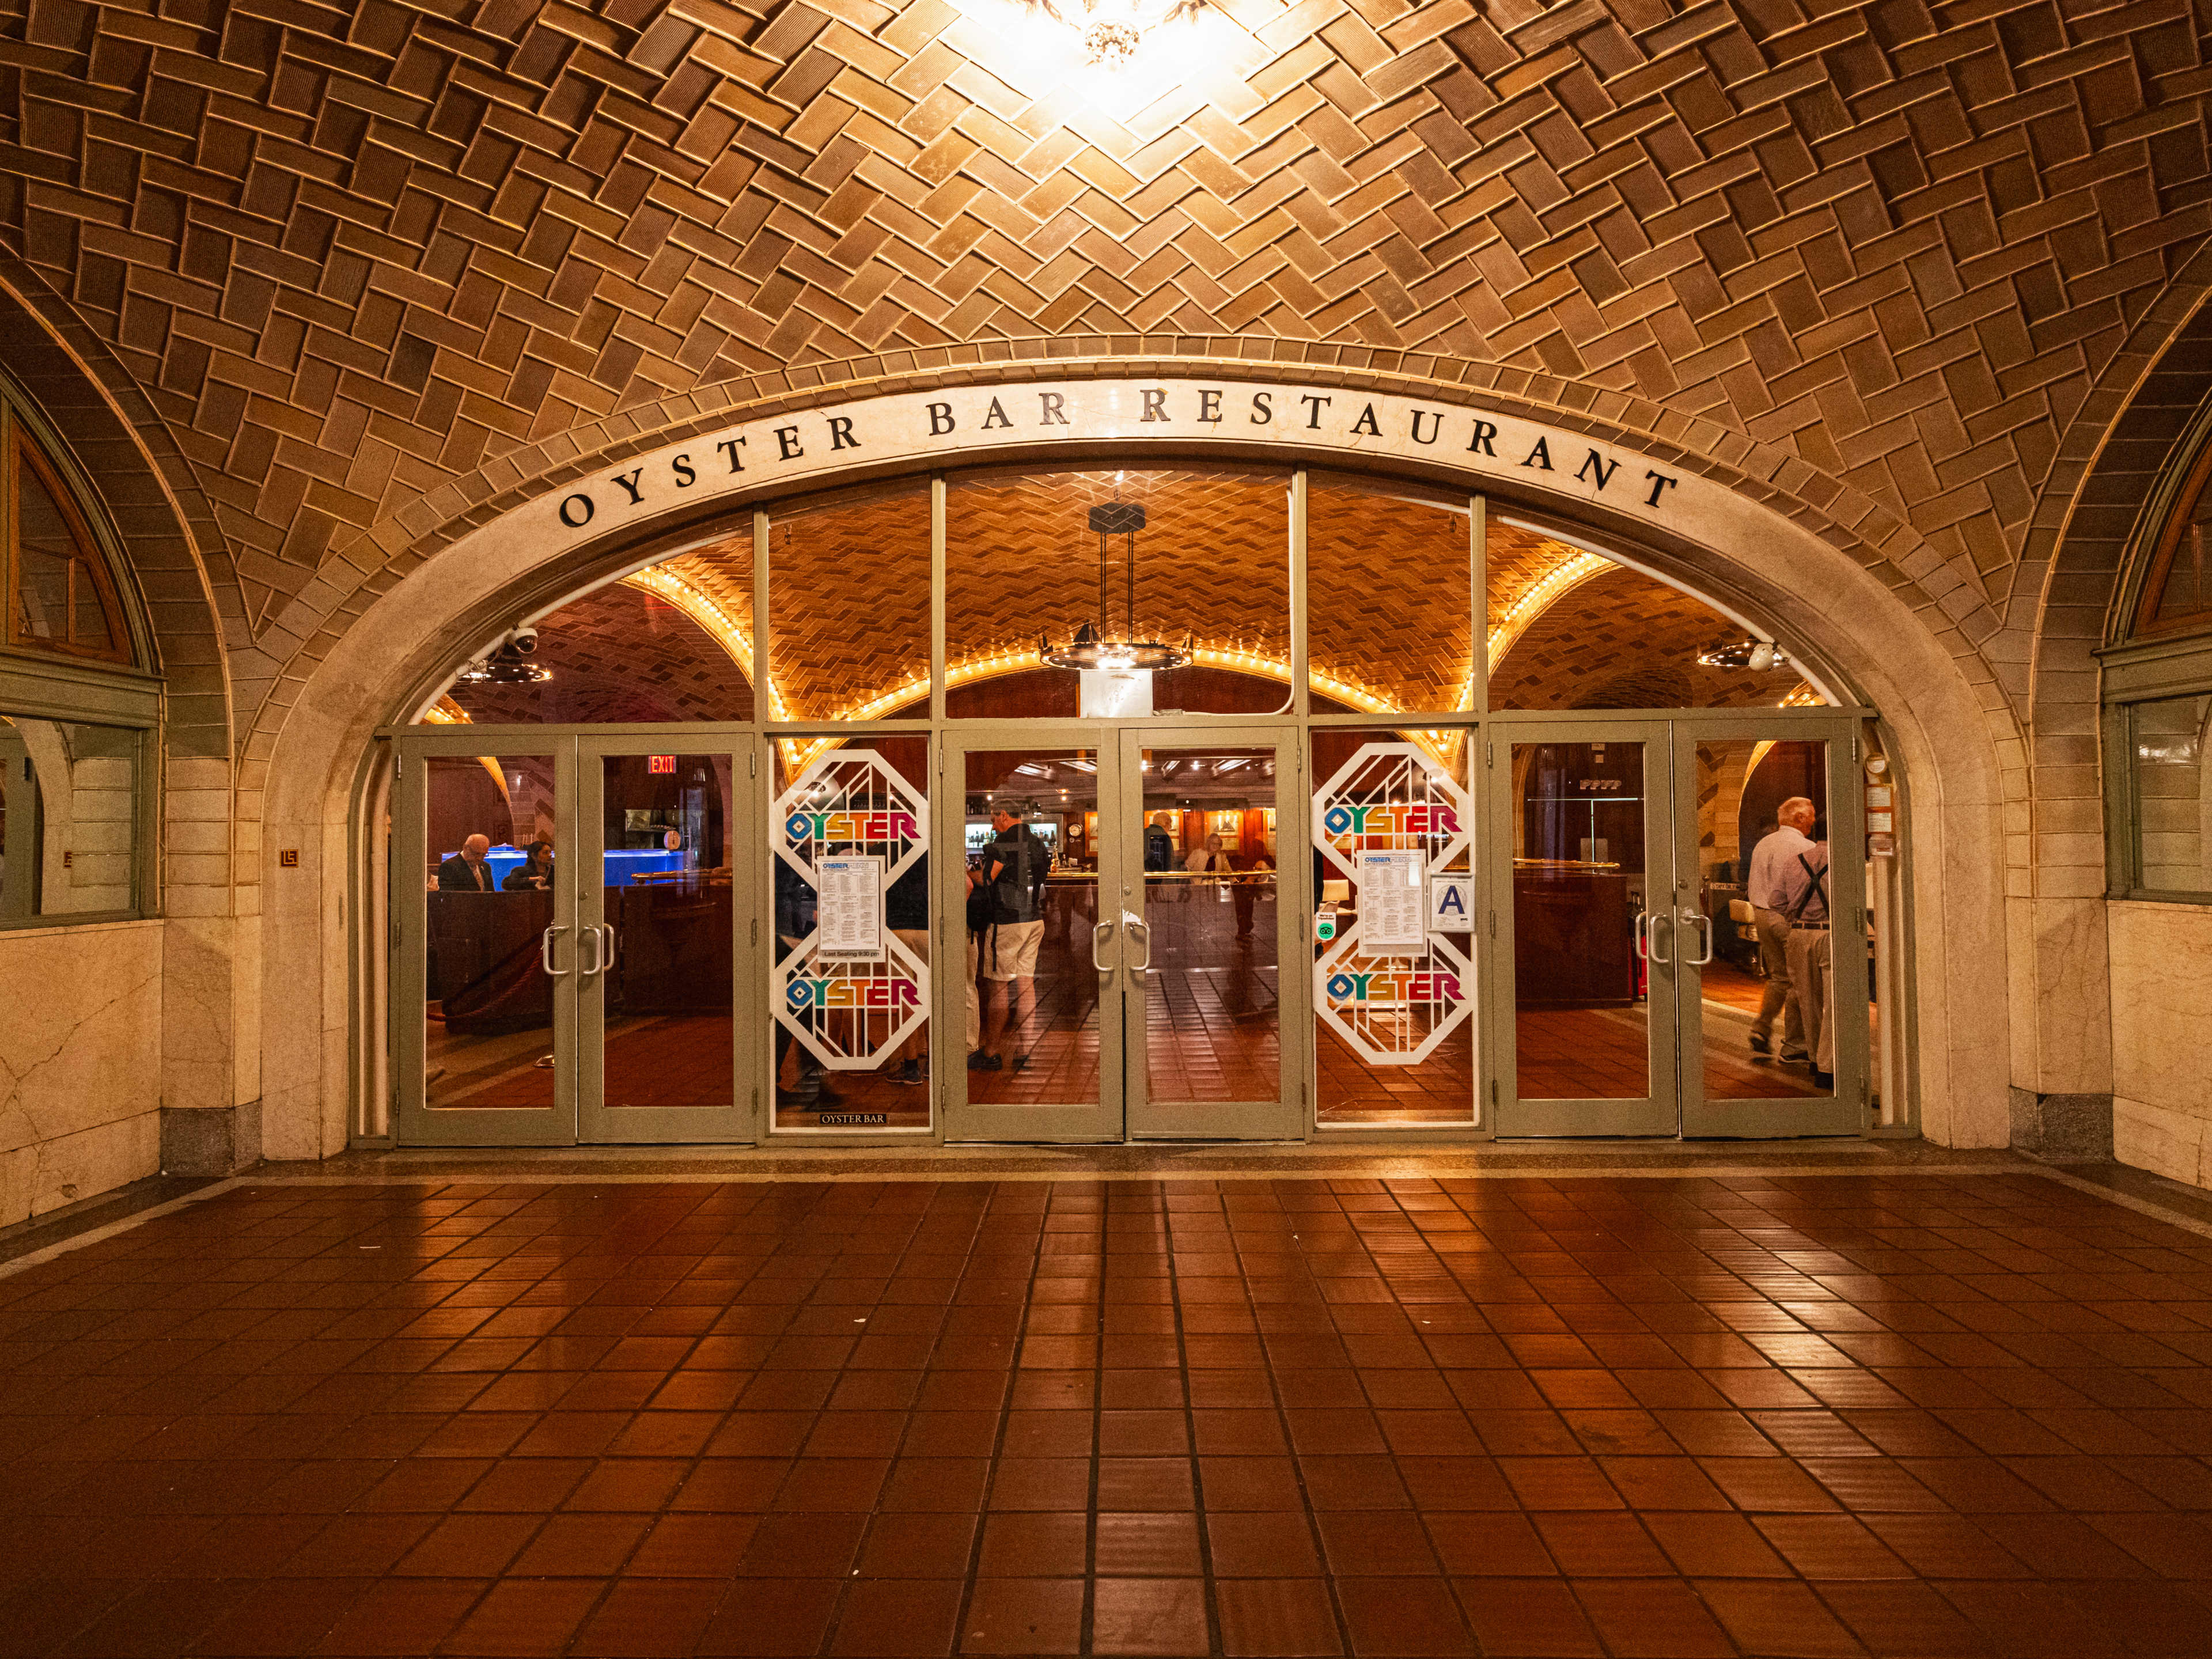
(1436,817)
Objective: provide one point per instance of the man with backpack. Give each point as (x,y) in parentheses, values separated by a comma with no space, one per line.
(1014,871)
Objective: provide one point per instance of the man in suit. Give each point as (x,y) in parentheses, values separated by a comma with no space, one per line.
(466,871)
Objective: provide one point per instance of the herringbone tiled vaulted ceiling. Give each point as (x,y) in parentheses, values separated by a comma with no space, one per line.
(350,254)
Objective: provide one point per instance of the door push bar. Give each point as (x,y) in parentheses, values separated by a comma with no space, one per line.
(602,937)
(1704,924)
(545,954)
(1142,935)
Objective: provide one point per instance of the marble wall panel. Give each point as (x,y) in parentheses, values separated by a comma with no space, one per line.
(80,1063)
(2161,966)
(2157,1139)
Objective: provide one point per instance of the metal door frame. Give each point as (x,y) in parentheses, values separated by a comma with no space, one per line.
(1653,1114)
(1072,1121)
(1677,1039)
(738,1123)
(414,1122)
(1284,1117)
(1847,1111)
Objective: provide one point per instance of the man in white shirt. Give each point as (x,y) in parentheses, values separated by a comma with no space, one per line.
(1774,859)
(1202,860)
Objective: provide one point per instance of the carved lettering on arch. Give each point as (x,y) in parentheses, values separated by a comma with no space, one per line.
(1480,447)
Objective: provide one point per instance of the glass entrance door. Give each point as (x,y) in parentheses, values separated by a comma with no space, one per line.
(1588,942)
(660,871)
(568,937)
(1776,1014)
(1041,997)
(1205,936)
(1675,942)
(1133,988)
(484,955)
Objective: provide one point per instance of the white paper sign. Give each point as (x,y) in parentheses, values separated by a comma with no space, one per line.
(848,920)
(1392,900)
(1451,904)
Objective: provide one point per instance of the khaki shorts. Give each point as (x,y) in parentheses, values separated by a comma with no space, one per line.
(1010,950)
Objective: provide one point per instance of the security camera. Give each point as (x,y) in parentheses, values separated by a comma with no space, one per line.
(523,640)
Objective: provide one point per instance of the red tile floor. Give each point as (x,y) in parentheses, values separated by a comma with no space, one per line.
(1911,1415)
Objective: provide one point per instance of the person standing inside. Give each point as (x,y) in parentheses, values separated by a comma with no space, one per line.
(906,913)
(1774,857)
(1160,847)
(796,907)
(1014,870)
(978,927)
(1256,876)
(466,871)
(1202,862)
(535,873)
(1804,895)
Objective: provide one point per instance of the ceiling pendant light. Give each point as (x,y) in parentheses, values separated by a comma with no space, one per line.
(510,665)
(1758,655)
(1113,31)
(1092,647)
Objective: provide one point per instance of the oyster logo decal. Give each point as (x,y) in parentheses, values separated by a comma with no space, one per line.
(850,1007)
(1389,985)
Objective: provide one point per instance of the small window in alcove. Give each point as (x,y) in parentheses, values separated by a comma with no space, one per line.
(2176,594)
(60,596)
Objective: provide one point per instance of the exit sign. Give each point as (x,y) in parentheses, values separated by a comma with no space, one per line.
(660,763)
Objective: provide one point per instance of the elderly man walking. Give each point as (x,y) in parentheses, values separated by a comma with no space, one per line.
(1775,855)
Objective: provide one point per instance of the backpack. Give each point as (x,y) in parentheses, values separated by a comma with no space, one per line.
(1021,879)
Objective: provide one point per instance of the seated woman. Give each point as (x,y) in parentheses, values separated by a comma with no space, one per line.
(536,869)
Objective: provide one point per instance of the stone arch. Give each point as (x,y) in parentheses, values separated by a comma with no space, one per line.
(165,528)
(1831,568)
(308,624)
(2060,611)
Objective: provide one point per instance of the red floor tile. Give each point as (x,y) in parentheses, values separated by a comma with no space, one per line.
(1277,1619)
(1911,1415)
(1023,1615)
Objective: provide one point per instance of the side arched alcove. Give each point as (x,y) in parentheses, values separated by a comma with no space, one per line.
(146,1024)
(1836,582)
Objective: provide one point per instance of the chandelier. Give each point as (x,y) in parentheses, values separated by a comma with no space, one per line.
(1112,30)
(1758,655)
(508,666)
(1092,647)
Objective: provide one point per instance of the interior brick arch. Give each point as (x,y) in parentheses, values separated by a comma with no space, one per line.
(2061,609)
(1952,610)
(118,447)
(161,526)
(391,639)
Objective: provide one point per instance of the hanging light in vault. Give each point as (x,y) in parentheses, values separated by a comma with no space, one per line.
(1112,31)
(1092,647)
(1758,655)
(510,665)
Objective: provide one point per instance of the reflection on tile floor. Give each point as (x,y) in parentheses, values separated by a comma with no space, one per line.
(1439,1089)
(1888,1414)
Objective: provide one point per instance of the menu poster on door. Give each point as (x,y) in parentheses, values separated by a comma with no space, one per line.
(848,916)
(1392,901)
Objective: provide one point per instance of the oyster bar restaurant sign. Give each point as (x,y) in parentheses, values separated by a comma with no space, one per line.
(933,428)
